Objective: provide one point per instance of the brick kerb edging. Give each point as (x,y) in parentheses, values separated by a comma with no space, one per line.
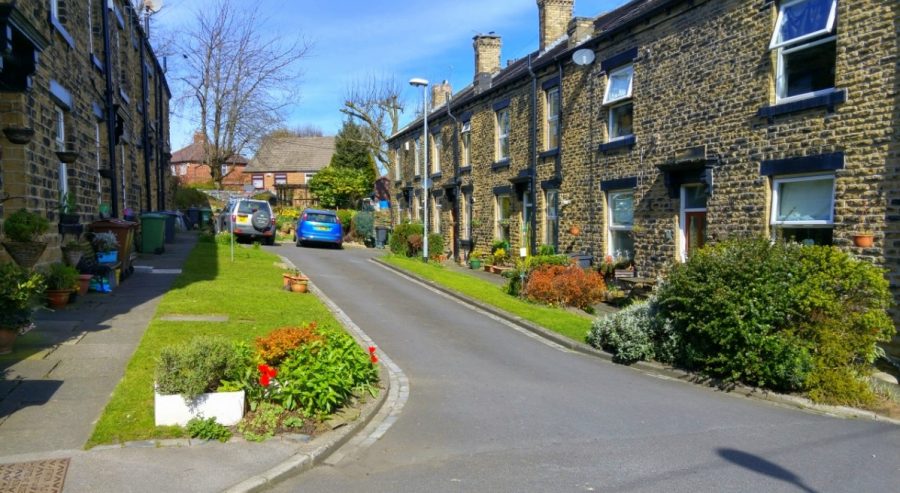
(648,367)
(389,373)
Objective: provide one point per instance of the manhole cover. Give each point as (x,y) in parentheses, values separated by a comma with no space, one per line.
(40,476)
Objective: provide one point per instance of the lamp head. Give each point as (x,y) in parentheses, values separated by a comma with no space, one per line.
(418,81)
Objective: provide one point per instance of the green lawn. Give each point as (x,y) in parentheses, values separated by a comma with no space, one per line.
(558,320)
(248,291)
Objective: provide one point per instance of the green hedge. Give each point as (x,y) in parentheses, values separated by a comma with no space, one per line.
(782,316)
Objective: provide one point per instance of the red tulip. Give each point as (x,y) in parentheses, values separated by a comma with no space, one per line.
(372,349)
(374,359)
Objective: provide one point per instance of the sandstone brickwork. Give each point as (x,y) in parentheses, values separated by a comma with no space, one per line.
(70,75)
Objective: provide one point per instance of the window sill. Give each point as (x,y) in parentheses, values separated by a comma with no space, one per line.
(549,153)
(417,178)
(97,63)
(465,243)
(502,164)
(465,169)
(436,176)
(828,100)
(619,143)
(62,32)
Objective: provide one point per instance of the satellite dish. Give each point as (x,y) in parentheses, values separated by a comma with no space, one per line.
(153,5)
(583,56)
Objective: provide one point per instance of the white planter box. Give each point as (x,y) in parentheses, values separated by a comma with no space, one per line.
(226,407)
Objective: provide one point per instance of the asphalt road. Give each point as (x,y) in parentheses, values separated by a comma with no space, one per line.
(493,410)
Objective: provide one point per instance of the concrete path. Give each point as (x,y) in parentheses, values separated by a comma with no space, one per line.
(492,409)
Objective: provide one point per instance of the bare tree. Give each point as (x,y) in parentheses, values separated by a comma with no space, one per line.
(375,102)
(236,81)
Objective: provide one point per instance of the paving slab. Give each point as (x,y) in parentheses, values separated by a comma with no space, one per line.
(108,368)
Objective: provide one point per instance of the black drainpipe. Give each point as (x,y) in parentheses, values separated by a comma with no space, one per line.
(456,187)
(533,159)
(557,163)
(110,115)
(160,141)
(145,137)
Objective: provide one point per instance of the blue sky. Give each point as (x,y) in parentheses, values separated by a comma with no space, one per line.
(353,39)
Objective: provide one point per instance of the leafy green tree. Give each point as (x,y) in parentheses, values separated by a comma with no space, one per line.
(352,151)
(339,187)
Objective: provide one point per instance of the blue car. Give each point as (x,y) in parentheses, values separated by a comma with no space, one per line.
(319,226)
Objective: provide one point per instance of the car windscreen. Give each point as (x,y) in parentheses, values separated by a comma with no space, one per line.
(251,207)
(318,217)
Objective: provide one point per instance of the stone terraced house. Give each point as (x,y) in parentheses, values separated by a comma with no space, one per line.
(80,75)
(662,125)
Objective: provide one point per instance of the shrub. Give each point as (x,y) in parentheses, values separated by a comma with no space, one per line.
(783,316)
(399,241)
(321,376)
(24,226)
(187,197)
(197,367)
(565,285)
(435,245)
(414,244)
(364,225)
(498,245)
(545,250)
(19,290)
(276,345)
(634,334)
(61,276)
(208,429)
(538,261)
(345,216)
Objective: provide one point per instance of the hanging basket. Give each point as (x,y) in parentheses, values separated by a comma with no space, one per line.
(26,254)
(73,255)
(574,230)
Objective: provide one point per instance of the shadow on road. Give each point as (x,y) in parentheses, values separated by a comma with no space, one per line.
(762,466)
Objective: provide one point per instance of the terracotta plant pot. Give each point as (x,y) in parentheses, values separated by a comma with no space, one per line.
(863,240)
(7,340)
(574,231)
(84,283)
(299,286)
(58,298)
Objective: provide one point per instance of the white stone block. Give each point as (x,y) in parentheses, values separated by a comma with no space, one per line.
(226,407)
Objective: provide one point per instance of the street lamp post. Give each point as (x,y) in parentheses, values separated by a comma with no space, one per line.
(423,83)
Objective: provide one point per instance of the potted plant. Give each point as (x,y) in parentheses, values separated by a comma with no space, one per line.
(22,229)
(864,238)
(475,259)
(68,209)
(72,251)
(289,276)
(62,279)
(189,380)
(106,245)
(18,290)
(84,283)
(300,284)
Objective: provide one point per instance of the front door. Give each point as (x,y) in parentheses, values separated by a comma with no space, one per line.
(693,219)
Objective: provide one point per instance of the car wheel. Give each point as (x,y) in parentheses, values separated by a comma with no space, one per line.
(270,240)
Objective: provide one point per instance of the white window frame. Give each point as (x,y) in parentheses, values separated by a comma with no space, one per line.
(398,165)
(776,201)
(417,148)
(278,178)
(551,126)
(466,144)
(502,133)
(224,170)
(548,219)
(829,26)
(797,44)
(436,215)
(436,147)
(611,225)
(781,77)
(307,177)
(525,216)
(60,123)
(498,216)
(611,118)
(612,73)
(262,180)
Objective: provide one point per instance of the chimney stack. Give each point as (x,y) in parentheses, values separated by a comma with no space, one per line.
(580,29)
(487,60)
(554,16)
(440,93)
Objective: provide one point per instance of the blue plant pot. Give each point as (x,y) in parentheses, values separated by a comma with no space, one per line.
(108,257)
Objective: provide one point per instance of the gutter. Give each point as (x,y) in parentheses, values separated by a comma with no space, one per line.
(111,108)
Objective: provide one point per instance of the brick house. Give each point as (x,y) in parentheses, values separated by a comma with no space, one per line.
(665,124)
(80,75)
(187,166)
(284,165)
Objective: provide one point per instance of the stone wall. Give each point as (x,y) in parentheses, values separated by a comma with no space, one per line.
(69,75)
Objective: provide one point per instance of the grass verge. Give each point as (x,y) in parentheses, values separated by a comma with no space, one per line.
(558,320)
(247,291)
